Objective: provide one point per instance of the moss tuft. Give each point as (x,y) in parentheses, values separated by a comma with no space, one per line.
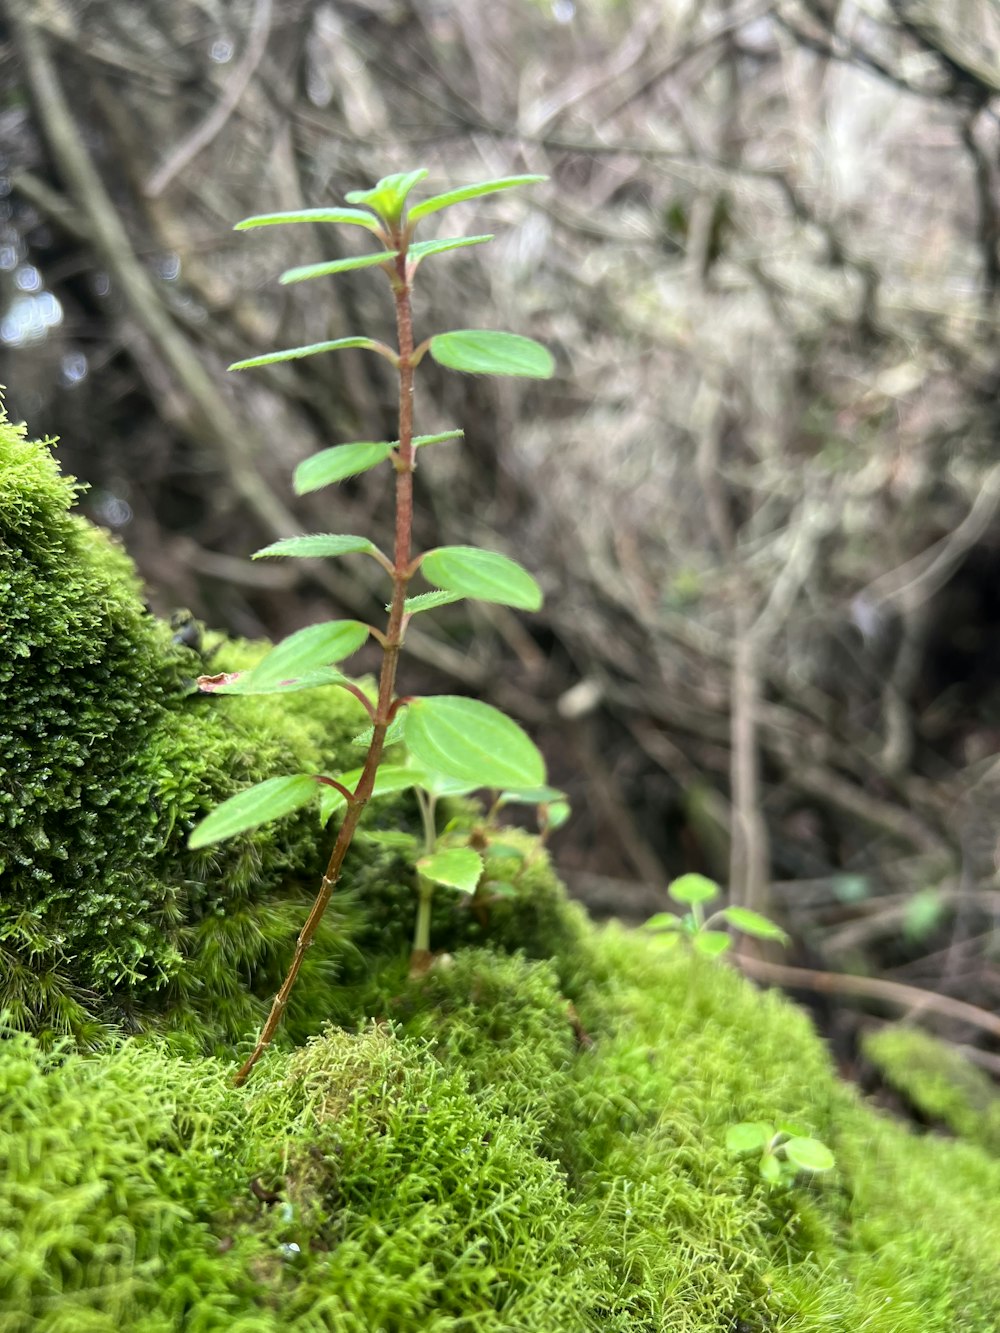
(939,1082)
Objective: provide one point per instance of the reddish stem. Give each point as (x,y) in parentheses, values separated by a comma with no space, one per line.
(384,707)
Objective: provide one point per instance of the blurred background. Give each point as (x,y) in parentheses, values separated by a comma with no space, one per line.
(762,493)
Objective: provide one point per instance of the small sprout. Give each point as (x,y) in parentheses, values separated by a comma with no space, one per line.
(785,1152)
(694,891)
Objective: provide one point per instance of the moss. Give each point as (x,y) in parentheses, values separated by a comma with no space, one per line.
(469,1166)
(939,1082)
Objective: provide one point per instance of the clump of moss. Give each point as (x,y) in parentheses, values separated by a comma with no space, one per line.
(471,1166)
(110,758)
(938,1081)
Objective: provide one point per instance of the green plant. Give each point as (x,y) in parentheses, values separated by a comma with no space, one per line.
(785,1150)
(462,739)
(697,930)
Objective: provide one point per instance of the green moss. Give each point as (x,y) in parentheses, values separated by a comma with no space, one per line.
(470,1166)
(939,1082)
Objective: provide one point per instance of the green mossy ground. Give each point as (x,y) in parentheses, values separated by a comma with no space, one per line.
(445,1154)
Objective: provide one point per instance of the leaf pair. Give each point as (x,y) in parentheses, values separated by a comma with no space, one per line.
(461,738)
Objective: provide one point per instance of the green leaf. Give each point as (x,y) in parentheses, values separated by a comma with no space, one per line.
(749,1136)
(486,575)
(315,646)
(420,440)
(326,270)
(392,737)
(342,460)
(316,545)
(693,889)
(770,1169)
(557,814)
(664,921)
(457,868)
(427,601)
(389,778)
(752,923)
(504,851)
(424,248)
(352,216)
(388,196)
(248,809)
(923,912)
(809,1154)
(398,842)
(483,352)
(463,192)
(296,353)
(439,784)
(530,796)
(467,739)
(711,943)
(666,941)
(246,683)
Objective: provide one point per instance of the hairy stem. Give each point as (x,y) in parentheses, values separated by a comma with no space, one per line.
(401,575)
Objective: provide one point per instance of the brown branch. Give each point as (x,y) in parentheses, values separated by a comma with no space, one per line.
(870,988)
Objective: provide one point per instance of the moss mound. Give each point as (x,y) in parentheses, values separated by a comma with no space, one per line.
(939,1082)
(470,1167)
(108,759)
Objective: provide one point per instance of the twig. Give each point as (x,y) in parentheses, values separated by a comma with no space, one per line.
(870,988)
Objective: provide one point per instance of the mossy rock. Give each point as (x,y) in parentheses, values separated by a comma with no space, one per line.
(465,1153)
(109,758)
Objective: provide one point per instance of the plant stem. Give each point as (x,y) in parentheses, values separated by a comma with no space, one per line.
(422,934)
(401,575)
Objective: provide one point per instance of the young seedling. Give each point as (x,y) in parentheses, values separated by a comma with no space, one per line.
(462,739)
(785,1150)
(698,931)
(454,857)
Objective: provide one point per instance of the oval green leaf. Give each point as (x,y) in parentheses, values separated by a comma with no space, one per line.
(424,248)
(557,814)
(770,1169)
(809,1154)
(316,545)
(752,923)
(352,216)
(392,737)
(427,601)
(693,889)
(305,272)
(749,1136)
(315,646)
(711,943)
(387,197)
(467,739)
(463,192)
(244,682)
(457,868)
(420,440)
(531,796)
(313,349)
(664,921)
(255,806)
(483,352)
(486,575)
(338,462)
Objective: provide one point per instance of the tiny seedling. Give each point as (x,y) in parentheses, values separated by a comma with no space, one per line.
(454,857)
(699,931)
(464,740)
(785,1150)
